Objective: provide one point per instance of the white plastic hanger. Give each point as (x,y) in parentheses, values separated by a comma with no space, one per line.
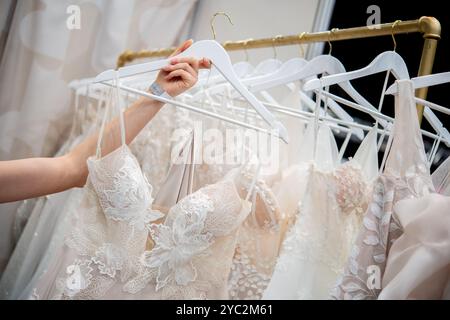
(374,113)
(318,65)
(213,51)
(423,81)
(211,77)
(429,81)
(293,71)
(335,124)
(263,71)
(286,67)
(386,61)
(267,66)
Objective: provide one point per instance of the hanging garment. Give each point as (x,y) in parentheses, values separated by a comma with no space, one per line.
(193,249)
(418,265)
(258,242)
(190,253)
(297,175)
(291,153)
(406,175)
(264,230)
(329,215)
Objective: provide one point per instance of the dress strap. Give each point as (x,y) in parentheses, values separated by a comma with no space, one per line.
(405,151)
(114,94)
(98,152)
(119,107)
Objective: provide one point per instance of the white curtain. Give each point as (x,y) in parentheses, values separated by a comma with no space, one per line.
(43,53)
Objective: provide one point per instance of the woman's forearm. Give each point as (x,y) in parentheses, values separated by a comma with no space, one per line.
(34,177)
(135,117)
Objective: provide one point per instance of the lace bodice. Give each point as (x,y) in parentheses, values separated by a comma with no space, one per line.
(406,175)
(123,191)
(193,249)
(109,231)
(188,256)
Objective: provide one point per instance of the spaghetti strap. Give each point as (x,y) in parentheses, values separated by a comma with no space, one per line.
(114,97)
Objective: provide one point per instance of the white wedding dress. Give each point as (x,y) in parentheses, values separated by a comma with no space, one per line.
(332,201)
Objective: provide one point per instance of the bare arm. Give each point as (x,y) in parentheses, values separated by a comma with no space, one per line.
(28,178)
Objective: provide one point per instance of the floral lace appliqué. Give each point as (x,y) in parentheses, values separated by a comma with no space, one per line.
(177,244)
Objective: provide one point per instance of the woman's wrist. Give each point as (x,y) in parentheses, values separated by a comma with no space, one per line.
(150,102)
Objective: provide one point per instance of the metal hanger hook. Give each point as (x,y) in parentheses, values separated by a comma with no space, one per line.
(274,40)
(214,17)
(396,22)
(330,33)
(245,49)
(302,49)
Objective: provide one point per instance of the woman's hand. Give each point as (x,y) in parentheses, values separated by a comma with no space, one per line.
(182,73)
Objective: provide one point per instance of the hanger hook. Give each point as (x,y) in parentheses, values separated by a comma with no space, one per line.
(396,22)
(274,40)
(214,17)
(245,48)
(302,49)
(330,33)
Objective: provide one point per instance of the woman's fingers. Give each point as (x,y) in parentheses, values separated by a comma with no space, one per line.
(192,69)
(189,60)
(183,74)
(203,63)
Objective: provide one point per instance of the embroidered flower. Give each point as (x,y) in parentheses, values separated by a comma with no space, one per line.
(128,192)
(178,242)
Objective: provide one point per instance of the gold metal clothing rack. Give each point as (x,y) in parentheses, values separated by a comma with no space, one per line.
(429,27)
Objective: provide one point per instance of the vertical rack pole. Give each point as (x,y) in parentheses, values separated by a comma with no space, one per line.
(431,29)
